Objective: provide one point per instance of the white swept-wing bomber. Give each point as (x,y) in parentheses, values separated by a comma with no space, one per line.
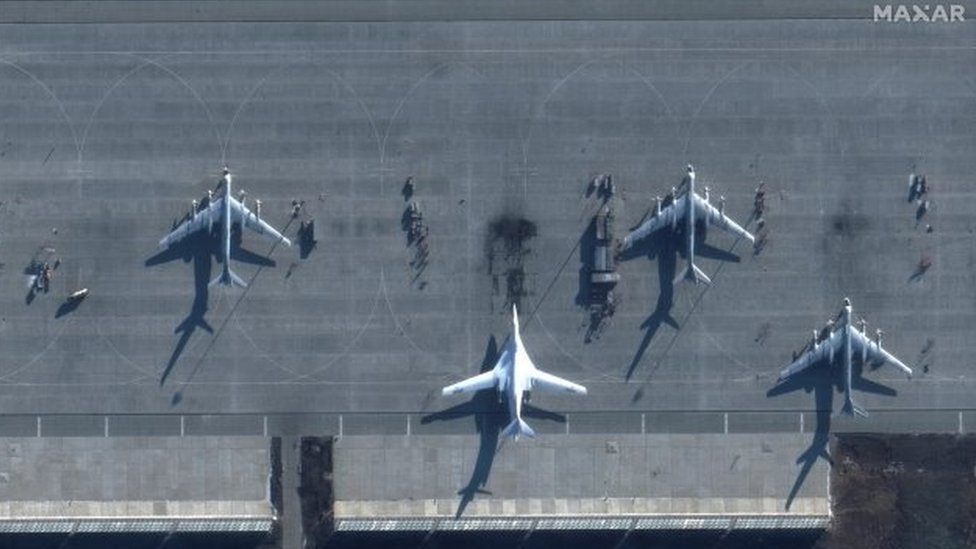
(843,337)
(224,210)
(689,208)
(512,376)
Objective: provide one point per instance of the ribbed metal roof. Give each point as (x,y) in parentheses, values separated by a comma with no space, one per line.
(127,525)
(664,522)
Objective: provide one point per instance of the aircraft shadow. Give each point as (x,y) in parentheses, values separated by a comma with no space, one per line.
(306,238)
(587,247)
(239,253)
(185,250)
(67,307)
(200,242)
(196,248)
(251,258)
(708,251)
(820,382)
(663,247)
(859,383)
(490,417)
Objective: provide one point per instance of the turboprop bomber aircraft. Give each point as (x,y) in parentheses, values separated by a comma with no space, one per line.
(841,336)
(224,210)
(689,208)
(513,375)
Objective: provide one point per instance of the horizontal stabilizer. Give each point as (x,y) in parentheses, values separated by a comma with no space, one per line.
(518,427)
(228,277)
(692,273)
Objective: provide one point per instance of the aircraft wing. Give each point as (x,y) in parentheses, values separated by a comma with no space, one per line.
(201,219)
(668,217)
(860,341)
(248,219)
(813,356)
(555,384)
(712,216)
(484,380)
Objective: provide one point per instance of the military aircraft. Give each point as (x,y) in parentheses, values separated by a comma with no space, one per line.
(691,208)
(225,211)
(841,335)
(513,375)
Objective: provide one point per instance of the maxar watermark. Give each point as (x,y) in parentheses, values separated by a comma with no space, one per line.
(916,13)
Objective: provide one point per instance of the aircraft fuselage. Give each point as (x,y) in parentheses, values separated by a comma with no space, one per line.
(226,217)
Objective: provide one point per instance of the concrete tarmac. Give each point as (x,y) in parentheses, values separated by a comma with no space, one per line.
(110,130)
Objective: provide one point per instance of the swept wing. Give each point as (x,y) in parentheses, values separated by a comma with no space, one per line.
(203,218)
(667,217)
(248,219)
(874,351)
(548,382)
(710,214)
(821,352)
(484,380)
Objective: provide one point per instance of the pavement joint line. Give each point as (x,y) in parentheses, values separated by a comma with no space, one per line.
(269,429)
(501,51)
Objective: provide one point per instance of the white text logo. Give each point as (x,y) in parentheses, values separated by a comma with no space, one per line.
(916,13)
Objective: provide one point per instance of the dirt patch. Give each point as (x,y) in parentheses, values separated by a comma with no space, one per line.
(902,491)
(506,246)
(315,490)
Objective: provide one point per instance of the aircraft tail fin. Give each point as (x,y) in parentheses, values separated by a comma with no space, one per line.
(518,427)
(228,278)
(692,273)
(852,409)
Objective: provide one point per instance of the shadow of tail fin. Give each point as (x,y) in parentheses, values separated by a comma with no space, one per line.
(228,277)
(518,427)
(692,273)
(852,409)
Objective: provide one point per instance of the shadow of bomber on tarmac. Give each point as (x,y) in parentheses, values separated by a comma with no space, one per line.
(663,247)
(821,383)
(197,248)
(490,414)
(822,379)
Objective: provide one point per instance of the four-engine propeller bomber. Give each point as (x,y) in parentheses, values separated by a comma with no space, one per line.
(691,208)
(225,211)
(514,373)
(512,376)
(845,338)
